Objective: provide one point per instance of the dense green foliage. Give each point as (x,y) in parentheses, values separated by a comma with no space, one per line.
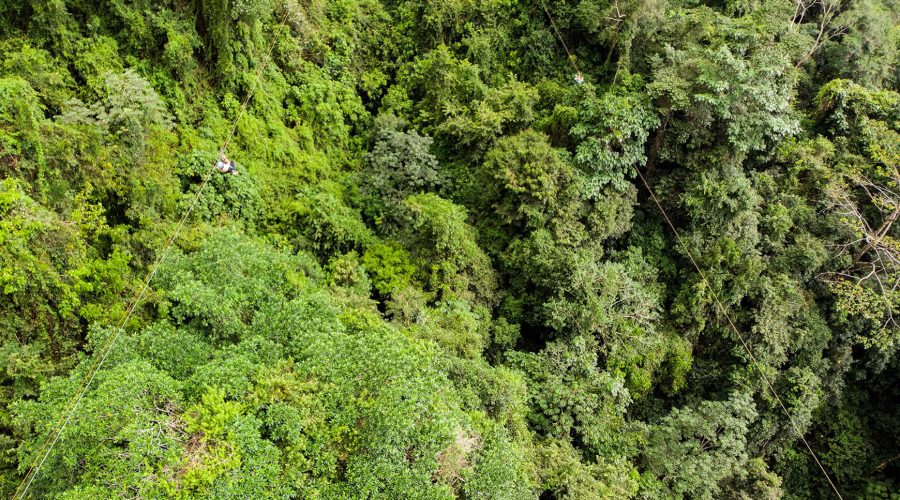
(437,274)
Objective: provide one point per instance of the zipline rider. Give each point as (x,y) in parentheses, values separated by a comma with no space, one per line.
(225,166)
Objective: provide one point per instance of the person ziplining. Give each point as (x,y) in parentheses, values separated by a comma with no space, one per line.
(225,166)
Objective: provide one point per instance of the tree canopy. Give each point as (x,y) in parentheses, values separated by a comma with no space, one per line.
(437,274)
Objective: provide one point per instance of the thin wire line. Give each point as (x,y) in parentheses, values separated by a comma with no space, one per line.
(735,329)
(713,291)
(33,472)
(110,345)
(559,36)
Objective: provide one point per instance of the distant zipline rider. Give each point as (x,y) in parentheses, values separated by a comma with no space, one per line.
(579,79)
(225,166)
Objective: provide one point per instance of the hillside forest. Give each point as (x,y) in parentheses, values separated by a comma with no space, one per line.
(473,249)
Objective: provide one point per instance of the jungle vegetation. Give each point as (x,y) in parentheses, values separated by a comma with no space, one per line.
(437,274)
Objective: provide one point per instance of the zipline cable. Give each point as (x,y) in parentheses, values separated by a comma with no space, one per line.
(740,337)
(559,36)
(69,413)
(715,295)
